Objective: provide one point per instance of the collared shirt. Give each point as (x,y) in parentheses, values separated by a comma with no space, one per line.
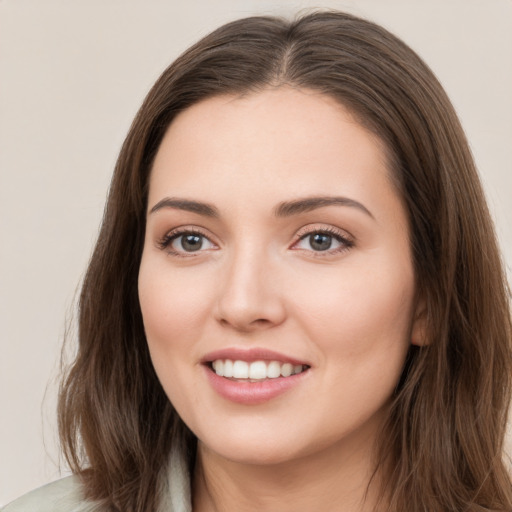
(66,495)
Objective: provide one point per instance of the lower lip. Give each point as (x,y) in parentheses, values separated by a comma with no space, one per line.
(252,393)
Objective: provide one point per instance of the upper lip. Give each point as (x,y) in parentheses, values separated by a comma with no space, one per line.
(249,355)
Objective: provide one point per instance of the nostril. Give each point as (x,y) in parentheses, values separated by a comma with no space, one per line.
(245,326)
(260,321)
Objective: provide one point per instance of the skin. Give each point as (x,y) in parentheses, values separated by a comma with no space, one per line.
(257,281)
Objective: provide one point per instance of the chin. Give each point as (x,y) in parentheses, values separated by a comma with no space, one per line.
(252,450)
(256,456)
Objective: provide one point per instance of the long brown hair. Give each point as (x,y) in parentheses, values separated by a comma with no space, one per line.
(443,443)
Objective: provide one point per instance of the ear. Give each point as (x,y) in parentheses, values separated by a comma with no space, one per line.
(419,325)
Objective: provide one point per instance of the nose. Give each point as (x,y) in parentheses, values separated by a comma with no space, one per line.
(250,297)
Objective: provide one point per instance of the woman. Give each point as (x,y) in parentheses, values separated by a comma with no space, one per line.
(296,301)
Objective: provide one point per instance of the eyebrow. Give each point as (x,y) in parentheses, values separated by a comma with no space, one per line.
(285,209)
(308,204)
(188,205)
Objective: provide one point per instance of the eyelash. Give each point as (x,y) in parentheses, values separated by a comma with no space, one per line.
(165,242)
(346,243)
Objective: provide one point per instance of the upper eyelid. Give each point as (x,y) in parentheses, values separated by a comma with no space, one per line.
(166,239)
(324,228)
(181,230)
(299,234)
(165,242)
(343,237)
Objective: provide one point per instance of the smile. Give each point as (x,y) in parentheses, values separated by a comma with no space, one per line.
(255,370)
(253,376)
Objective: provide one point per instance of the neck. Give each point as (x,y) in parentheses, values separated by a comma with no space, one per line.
(336,479)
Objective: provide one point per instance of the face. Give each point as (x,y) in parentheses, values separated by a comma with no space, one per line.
(276,282)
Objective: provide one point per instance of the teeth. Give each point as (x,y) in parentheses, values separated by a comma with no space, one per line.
(228,368)
(240,370)
(218,366)
(257,370)
(273,370)
(286,369)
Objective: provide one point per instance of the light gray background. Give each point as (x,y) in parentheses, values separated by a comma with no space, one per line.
(73,74)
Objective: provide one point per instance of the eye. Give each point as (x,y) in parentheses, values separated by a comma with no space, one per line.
(186,242)
(190,242)
(327,241)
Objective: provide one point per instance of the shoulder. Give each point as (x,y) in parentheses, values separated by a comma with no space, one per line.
(64,495)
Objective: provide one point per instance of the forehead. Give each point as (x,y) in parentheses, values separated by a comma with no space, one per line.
(278,141)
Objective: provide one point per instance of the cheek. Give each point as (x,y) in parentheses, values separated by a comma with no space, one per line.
(360,328)
(363,312)
(173,303)
(173,308)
